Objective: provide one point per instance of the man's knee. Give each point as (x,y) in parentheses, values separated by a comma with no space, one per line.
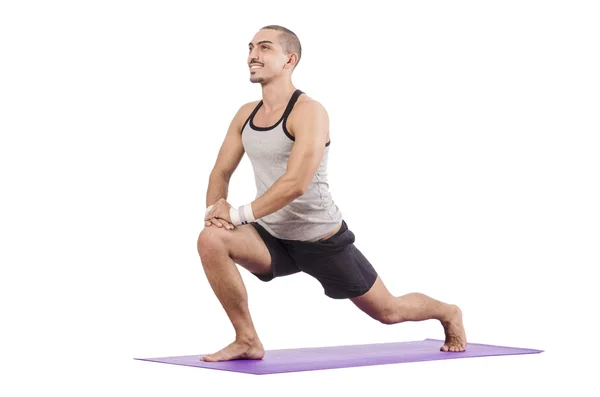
(211,238)
(388,316)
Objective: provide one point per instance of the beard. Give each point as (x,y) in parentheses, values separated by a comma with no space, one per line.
(254,79)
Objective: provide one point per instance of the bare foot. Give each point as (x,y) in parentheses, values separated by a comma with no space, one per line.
(456,339)
(238,350)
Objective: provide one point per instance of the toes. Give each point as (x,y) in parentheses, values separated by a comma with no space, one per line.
(453,348)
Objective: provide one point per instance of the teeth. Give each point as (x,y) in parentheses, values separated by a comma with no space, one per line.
(255,66)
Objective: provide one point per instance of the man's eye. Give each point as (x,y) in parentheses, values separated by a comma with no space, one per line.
(265,47)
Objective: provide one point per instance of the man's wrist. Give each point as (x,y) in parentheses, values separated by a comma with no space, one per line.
(242,215)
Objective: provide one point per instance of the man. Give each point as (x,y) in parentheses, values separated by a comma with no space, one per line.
(293,225)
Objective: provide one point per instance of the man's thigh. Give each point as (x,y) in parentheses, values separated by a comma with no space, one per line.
(337,264)
(244,244)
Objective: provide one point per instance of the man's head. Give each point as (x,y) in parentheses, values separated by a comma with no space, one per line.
(276,50)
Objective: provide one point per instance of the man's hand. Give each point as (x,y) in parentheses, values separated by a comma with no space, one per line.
(219,215)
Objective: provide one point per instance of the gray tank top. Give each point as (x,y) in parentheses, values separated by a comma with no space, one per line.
(311,216)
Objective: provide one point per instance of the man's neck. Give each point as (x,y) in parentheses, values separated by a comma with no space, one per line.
(275,96)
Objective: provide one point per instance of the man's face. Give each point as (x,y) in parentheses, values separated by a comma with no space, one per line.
(266,58)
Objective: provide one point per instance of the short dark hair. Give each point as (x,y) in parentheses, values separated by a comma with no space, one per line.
(288,41)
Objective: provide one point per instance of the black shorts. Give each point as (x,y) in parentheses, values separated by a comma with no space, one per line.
(336,263)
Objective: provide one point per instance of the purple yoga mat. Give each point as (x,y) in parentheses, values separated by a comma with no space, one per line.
(308,359)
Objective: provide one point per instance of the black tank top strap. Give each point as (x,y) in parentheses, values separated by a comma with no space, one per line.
(283,118)
(291,103)
(251,115)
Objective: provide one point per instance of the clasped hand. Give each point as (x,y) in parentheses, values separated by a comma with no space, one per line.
(219,215)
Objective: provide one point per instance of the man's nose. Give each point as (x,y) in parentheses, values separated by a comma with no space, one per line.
(252,56)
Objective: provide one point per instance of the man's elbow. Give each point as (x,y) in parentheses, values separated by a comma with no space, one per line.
(220,174)
(295,185)
(300,190)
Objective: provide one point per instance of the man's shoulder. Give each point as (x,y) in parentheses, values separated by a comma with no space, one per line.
(245,110)
(308,104)
(250,105)
(308,107)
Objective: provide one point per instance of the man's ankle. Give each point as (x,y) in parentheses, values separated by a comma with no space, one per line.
(246,338)
(448,313)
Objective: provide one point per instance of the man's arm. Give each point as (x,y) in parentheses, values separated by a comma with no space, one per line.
(310,128)
(228,159)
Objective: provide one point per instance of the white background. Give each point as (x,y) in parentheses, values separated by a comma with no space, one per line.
(474,124)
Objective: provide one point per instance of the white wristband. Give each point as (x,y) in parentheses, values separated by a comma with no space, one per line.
(242,215)
(207,211)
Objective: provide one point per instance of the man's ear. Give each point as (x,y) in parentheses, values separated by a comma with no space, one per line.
(293,59)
